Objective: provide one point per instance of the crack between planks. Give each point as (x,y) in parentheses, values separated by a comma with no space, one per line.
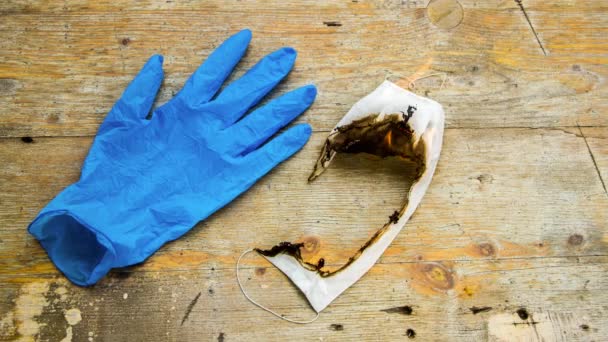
(190,307)
(521,7)
(597,169)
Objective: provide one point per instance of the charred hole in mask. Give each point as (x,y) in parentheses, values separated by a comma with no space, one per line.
(362,144)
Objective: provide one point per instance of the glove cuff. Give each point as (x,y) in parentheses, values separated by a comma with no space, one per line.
(77,248)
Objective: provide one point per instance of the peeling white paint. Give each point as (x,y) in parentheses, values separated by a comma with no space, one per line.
(28,306)
(61,292)
(73,316)
(7,325)
(68,335)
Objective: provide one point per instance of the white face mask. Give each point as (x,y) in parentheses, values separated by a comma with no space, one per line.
(390,121)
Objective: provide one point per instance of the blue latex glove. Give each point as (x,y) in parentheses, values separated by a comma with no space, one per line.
(147,182)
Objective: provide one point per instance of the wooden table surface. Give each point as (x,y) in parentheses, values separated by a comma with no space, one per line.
(510,242)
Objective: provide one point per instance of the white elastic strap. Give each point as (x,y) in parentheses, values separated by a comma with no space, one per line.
(238,279)
(411,83)
(443,75)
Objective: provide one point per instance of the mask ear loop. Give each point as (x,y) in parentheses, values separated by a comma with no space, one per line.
(238,279)
(411,83)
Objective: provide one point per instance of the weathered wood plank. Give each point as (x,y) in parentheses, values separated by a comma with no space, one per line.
(515,218)
(563,298)
(497,194)
(64,64)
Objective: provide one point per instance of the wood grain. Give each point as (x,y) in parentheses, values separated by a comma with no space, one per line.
(64,64)
(564,289)
(533,181)
(520,199)
(515,220)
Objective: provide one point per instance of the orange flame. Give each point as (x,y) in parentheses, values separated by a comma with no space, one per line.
(388,139)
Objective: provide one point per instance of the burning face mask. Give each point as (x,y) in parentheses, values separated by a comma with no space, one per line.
(389,122)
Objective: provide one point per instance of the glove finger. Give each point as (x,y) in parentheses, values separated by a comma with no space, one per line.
(209,77)
(248,90)
(136,101)
(253,130)
(259,162)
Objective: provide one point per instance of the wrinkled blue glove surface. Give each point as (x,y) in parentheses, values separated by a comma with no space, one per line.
(147,182)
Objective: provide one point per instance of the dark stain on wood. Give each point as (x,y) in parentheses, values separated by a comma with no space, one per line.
(336,327)
(410,333)
(120,274)
(189,308)
(404,310)
(52,118)
(477,309)
(575,240)
(260,271)
(585,327)
(221,337)
(485,178)
(523,313)
(527,323)
(486,249)
(332,23)
(27,140)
